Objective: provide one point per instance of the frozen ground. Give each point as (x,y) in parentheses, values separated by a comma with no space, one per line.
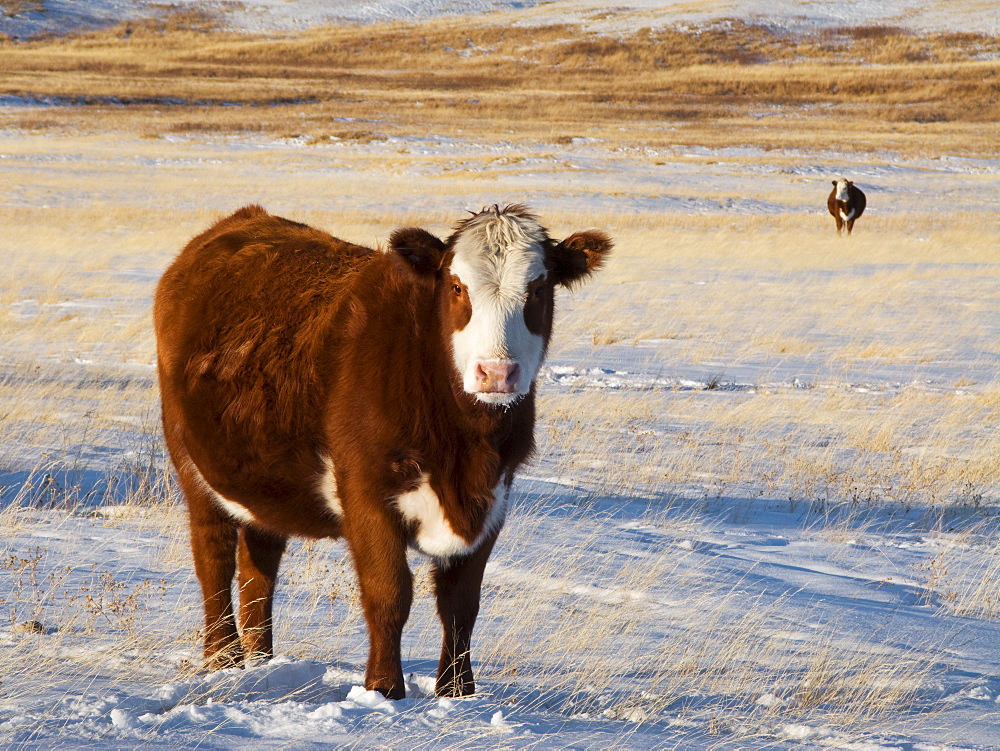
(60,16)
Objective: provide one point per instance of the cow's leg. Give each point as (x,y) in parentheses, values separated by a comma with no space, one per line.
(850,226)
(259,557)
(840,224)
(213,543)
(457,584)
(378,546)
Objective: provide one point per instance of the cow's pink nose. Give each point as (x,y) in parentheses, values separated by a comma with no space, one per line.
(497,376)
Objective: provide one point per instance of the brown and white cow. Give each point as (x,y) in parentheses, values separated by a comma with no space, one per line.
(318,388)
(846,203)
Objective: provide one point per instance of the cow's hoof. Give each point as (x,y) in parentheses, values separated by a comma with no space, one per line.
(394,694)
(455,689)
(225,659)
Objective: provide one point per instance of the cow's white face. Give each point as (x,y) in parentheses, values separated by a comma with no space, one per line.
(494,282)
(501,305)
(842,186)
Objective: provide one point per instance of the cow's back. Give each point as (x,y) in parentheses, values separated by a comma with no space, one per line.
(242,319)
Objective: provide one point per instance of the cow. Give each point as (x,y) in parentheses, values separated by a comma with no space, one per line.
(846,203)
(317,388)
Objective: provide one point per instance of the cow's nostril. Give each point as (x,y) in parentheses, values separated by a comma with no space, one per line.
(481,375)
(513,375)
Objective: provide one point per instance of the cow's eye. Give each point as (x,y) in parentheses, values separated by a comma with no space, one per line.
(457,289)
(538,291)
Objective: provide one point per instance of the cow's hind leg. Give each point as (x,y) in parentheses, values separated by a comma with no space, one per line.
(259,557)
(213,544)
(457,584)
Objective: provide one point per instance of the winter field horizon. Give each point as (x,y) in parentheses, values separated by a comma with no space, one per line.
(763,509)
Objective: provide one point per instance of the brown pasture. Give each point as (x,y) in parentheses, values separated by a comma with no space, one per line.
(861,88)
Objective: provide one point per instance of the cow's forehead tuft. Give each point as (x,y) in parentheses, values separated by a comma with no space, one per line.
(495,244)
(493,231)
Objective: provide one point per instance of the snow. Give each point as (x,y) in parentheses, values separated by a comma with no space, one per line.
(799,579)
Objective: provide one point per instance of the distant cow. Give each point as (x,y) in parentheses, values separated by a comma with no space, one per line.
(318,388)
(846,202)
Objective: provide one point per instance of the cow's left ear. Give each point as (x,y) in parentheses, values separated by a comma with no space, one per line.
(579,256)
(419,248)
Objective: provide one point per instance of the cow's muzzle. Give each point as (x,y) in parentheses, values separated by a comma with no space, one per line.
(497,376)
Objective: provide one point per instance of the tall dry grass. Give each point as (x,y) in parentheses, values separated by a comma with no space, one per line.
(846,377)
(854,88)
(864,367)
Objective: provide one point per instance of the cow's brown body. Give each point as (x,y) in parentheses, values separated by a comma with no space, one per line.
(309,388)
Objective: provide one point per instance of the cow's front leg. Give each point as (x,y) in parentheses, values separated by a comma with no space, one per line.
(457,583)
(378,546)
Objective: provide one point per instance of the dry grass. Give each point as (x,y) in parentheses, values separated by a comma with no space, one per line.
(78,376)
(636,638)
(856,88)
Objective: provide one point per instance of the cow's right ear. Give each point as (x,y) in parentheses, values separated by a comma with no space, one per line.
(419,248)
(834,183)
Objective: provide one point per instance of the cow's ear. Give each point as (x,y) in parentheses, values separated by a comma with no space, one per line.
(419,248)
(834,183)
(579,256)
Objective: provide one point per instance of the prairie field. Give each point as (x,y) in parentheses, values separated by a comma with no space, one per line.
(763,508)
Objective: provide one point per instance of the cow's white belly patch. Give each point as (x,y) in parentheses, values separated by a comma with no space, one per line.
(236,510)
(434,535)
(327,487)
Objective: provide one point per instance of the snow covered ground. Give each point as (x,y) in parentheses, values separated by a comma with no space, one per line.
(769,586)
(621,609)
